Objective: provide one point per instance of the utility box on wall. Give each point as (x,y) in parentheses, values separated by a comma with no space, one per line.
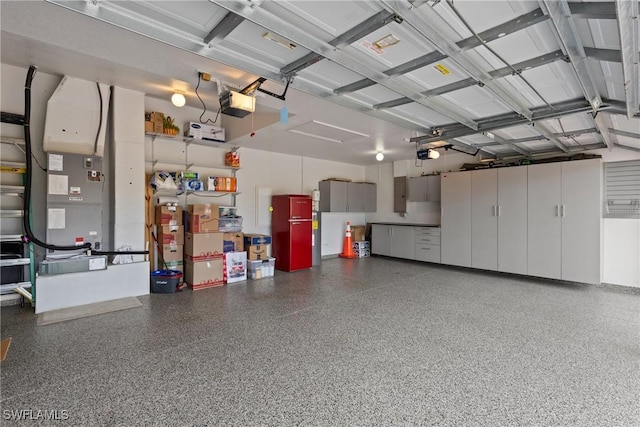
(400,194)
(74,200)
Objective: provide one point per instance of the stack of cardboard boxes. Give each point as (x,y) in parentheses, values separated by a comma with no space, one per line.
(170,236)
(203,248)
(361,247)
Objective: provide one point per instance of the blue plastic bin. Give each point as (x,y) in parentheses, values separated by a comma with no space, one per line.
(165,281)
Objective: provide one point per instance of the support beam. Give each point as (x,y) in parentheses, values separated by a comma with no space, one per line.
(449,131)
(628,147)
(393,103)
(470,147)
(541,137)
(608,55)
(229,23)
(370,25)
(603,125)
(627,12)
(625,133)
(425,23)
(516,24)
(511,145)
(451,87)
(539,61)
(548,133)
(560,14)
(593,10)
(354,87)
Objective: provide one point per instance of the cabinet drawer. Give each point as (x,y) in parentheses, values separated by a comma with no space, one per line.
(429,240)
(428,253)
(427,231)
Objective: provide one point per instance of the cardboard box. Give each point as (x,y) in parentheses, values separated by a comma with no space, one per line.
(199,246)
(168,215)
(148,124)
(235,266)
(157,119)
(171,253)
(202,131)
(258,252)
(204,274)
(170,235)
(202,218)
(221,183)
(361,249)
(232,159)
(233,242)
(256,239)
(357,233)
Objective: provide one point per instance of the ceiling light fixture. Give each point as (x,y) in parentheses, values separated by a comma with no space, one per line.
(279,40)
(386,41)
(380,156)
(433,154)
(178,99)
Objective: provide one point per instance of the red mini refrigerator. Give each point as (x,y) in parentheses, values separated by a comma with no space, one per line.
(291,231)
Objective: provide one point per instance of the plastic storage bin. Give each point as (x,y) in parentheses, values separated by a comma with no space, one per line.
(165,281)
(257,269)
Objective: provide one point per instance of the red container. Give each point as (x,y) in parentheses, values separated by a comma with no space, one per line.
(291,231)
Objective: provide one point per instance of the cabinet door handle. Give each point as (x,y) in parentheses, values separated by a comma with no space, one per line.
(499,210)
(557,210)
(563,210)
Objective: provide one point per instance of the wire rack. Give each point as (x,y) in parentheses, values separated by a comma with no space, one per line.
(622,209)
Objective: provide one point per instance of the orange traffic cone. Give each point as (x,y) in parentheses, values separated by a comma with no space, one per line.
(347,248)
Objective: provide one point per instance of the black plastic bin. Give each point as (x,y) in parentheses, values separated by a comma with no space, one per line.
(165,281)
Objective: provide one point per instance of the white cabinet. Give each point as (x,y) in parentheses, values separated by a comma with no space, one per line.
(544,226)
(402,242)
(393,240)
(484,219)
(564,220)
(512,220)
(427,241)
(499,219)
(424,188)
(333,196)
(381,239)
(342,196)
(580,213)
(455,203)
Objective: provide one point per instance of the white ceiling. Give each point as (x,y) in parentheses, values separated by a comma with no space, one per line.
(529,88)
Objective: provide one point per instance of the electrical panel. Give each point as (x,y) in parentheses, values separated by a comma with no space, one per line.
(75,184)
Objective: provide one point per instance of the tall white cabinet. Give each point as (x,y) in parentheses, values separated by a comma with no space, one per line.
(484,219)
(455,203)
(512,220)
(541,220)
(564,220)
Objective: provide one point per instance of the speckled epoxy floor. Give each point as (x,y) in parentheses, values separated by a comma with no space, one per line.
(373,341)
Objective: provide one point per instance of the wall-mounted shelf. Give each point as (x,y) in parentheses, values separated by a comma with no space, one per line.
(189,140)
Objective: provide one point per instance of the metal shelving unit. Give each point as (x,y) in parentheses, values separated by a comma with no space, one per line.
(12,193)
